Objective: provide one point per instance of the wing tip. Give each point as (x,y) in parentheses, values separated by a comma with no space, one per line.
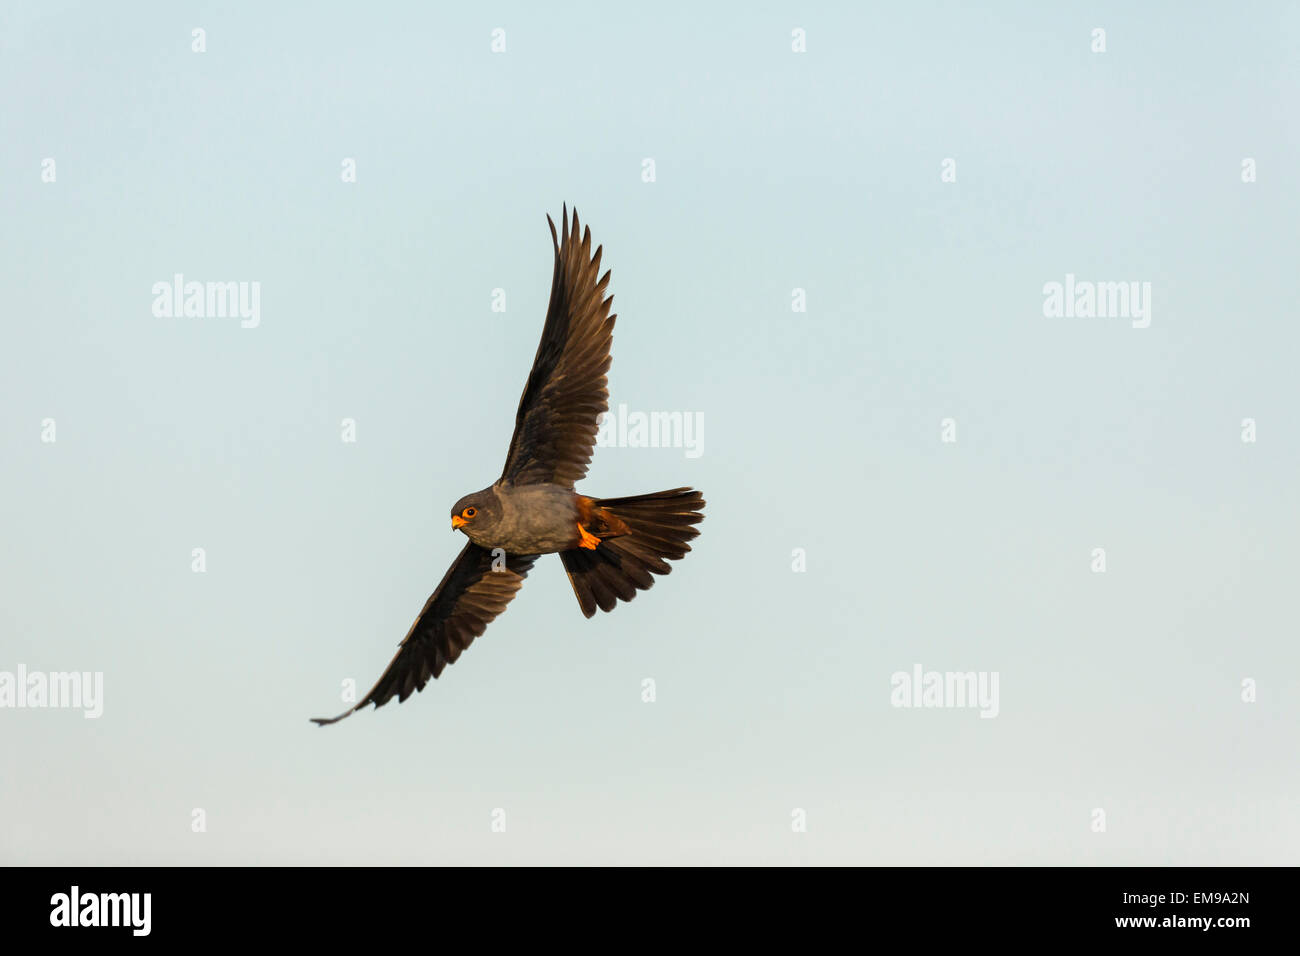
(571,232)
(326,721)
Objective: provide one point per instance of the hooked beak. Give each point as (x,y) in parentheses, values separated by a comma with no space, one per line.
(457,522)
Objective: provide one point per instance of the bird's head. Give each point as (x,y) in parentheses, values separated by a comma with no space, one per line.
(475,514)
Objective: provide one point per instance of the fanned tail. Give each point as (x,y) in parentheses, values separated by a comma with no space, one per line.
(658,529)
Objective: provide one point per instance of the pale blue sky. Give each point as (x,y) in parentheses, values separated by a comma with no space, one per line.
(775,171)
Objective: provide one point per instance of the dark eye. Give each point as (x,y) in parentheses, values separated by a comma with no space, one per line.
(470,512)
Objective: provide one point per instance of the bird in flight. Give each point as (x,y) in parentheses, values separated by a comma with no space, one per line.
(610,547)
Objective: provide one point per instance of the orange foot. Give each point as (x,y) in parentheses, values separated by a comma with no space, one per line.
(587,539)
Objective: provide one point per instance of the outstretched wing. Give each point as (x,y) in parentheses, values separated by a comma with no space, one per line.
(471,594)
(555,427)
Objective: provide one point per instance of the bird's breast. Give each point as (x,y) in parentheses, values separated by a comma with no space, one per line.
(536,519)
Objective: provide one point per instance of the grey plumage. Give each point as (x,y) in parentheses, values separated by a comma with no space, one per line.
(611,548)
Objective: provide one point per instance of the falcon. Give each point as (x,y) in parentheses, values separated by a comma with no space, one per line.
(611,548)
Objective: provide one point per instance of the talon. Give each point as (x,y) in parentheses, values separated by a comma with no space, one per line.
(586,539)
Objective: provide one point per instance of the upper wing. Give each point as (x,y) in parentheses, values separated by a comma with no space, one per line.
(555,427)
(469,597)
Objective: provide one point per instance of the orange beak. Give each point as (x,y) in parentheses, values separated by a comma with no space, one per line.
(457,522)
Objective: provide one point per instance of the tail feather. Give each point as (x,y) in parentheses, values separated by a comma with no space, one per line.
(659,527)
